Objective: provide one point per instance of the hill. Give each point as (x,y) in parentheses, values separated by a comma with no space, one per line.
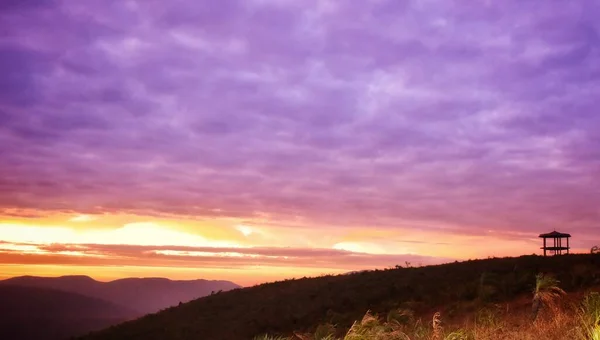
(300,305)
(42,313)
(144,295)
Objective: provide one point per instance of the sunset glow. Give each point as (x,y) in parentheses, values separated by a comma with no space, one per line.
(261,140)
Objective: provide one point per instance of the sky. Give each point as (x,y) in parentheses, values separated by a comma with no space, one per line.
(257,140)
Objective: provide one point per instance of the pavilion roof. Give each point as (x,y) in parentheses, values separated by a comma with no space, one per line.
(554,234)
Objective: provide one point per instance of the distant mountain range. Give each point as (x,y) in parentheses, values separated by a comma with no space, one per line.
(42,313)
(54,308)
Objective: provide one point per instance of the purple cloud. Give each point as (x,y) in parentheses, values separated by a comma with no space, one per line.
(206,257)
(379,113)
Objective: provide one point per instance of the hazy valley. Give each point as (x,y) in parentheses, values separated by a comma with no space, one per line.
(55,308)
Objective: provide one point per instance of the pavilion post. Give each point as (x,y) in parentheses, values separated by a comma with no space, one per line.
(544,246)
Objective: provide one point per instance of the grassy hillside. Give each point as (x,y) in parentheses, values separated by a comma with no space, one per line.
(281,308)
(41,313)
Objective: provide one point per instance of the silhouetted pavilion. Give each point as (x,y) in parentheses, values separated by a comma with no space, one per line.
(557,247)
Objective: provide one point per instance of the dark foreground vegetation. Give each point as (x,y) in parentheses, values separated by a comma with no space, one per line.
(487,294)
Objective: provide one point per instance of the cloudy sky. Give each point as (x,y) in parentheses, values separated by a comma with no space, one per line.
(254,140)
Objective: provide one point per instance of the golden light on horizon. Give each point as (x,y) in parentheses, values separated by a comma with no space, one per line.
(65,243)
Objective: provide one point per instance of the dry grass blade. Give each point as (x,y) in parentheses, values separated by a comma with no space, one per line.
(368,319)
(437,326)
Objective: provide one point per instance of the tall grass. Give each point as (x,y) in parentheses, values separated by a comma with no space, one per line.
(545,293)
(590,316)
(555,319)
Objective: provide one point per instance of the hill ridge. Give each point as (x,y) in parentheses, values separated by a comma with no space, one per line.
(288,306)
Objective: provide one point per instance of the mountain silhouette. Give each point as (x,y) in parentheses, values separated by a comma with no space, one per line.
(143,295)
(60,307)
(43,313)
